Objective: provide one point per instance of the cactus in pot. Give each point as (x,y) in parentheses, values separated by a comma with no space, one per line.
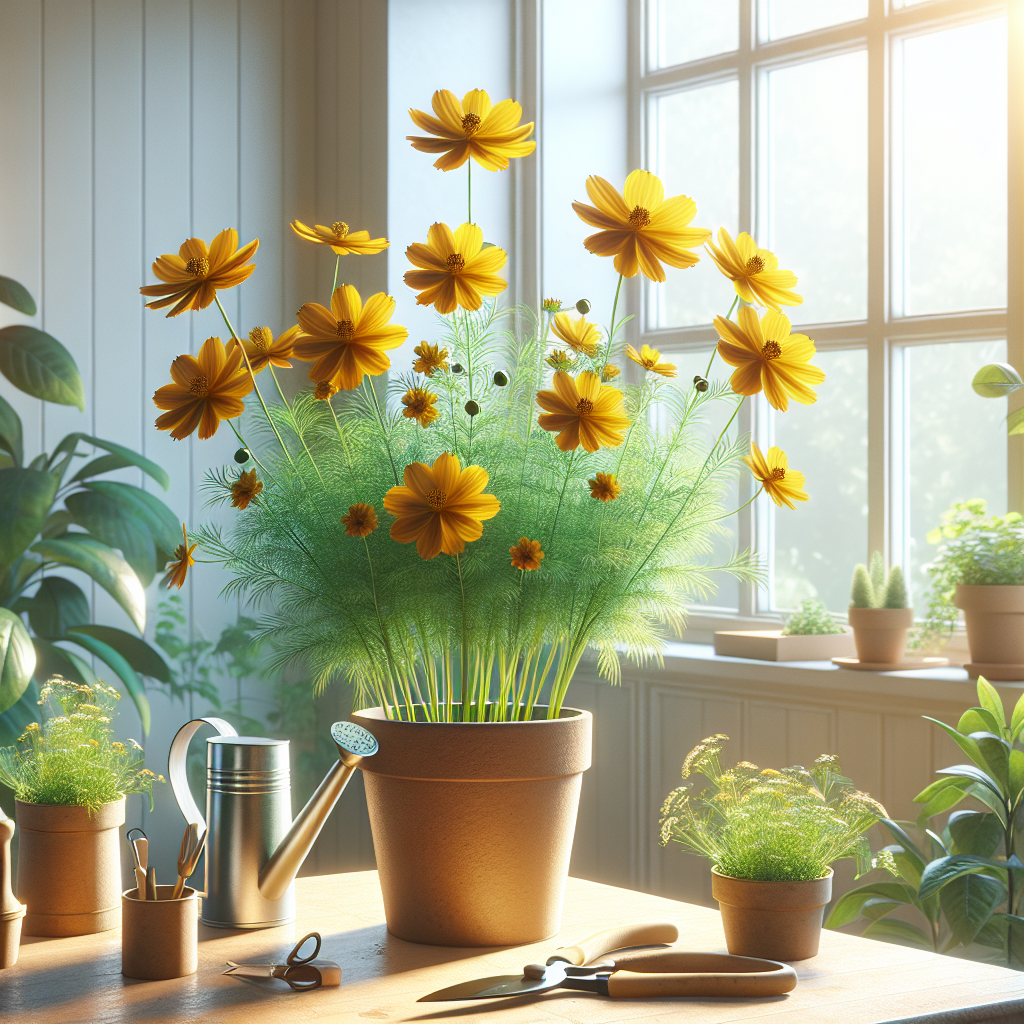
(878,612)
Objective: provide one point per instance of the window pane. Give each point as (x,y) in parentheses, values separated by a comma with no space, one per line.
(954,442)
(791,17)
(696,140)
(813,203)
(685,30)
(816,547)
(953,182)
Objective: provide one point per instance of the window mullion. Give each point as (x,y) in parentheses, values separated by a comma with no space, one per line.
(1015,241)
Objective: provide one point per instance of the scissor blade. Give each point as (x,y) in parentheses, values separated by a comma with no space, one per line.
(498,987)
(251,970)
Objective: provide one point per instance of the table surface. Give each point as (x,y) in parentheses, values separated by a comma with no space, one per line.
(851,981)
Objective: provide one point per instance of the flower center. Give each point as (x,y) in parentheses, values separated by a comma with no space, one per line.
(648,364)
(199,385)
(754,265)
(436,498)
(778,473)
(455,263)
(771,350)
(198,267)
(471,123)
(261,338)
(346,329)
(640,217)
(340,228)
(584,406)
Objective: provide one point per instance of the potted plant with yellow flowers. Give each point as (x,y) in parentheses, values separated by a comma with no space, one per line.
(531,510)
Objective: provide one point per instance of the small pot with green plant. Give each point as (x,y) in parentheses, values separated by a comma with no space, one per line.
(879,613)
(810,634)
(772,837)
(70,778)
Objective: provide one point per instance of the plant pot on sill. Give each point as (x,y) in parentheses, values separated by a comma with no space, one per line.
(880,634)
(773,920)
(473,824)
(995,630)
(773,645)
(69,868)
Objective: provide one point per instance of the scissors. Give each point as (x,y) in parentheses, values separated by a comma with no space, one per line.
(301,972)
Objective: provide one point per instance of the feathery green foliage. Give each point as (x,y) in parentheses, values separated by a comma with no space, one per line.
(874,588)
(895,589)
(876,570)
(861,592)
(812,619)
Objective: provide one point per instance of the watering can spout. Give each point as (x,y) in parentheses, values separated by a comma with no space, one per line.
(354,743)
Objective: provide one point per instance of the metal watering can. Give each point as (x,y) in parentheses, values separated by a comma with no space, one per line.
(254,849)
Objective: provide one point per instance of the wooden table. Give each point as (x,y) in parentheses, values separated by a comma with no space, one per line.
(852,980)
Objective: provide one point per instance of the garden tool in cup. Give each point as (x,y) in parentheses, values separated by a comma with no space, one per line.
(253,848)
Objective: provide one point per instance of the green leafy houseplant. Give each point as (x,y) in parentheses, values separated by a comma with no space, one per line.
(875,588)
(812,619)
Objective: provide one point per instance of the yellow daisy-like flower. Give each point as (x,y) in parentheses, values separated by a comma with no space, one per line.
(641,228)
(441,507)
(419,406)
(650,359)
(431,358)
(604,487)
(324,391)
(454,268)
(491,135)
(583,411)
(361,520)
(264,350)
(768,357)
(349,340)
(782,484)
(580,335)
(180,563)
(754,272)
(526,555)
(610,372)
(340,239)
(193,277)
(245,488)
(205,390)
(551,305)
(559,360)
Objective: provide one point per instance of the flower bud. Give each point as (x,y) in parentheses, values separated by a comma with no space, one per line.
(456,367)
(242,456)
(472,408)
(583,306)
(700,383)
(500,379)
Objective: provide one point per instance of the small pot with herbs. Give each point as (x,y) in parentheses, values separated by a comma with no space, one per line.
(771,836)
(879,613)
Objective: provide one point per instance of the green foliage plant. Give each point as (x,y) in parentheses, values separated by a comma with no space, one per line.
(812,619)
(895,590)
(71,759)
(861,592)
(875,588)
(766,825)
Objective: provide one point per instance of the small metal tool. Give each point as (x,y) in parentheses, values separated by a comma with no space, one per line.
(301,972)
(192,844)
(140,854)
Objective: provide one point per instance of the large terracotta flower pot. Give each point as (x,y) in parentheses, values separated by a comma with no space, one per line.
(880,634)
(773,920)
(473,824)
(69,868)
(995,630)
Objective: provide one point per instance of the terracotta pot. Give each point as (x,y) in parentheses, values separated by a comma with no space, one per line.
(69,868)
(774,920)
(880,634)
(995,630)
(159,938)
(473,824)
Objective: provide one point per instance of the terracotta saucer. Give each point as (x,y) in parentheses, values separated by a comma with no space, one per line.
(998,671)
(881,666)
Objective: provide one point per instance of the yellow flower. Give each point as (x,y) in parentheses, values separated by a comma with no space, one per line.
(361,520)
(650,359)
(604,487)
(340,239)
(551,305)
(441,507)
(580,335)
(782,484)
(245,488)
(610,372)
(472,128)
(264,350)
(526,555)
(583,411)
(430,359)
(204,391)
(419,406)
(754,272)
(193,277)
(181,562)
(349,340)
(641,228)
(559,360)
(768,357)
(324,391)
(455,269)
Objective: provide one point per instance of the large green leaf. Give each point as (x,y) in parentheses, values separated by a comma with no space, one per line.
(943,870)
(968,902)
(133,684)
(977,832)
(143,658)
(52,660)
(25,499)
(161,522)
(148,466)
(1017,719)
(933,789)
(109,521)
(16,295)
(56,606)
(10,432)
(965,743)
(969,771)
(943,800)
(996,380)
(978,720)
(995,752)
(900,932)
(989,699)
(849,906)
(17,658)
(99,466)
(14,719)
(104,565)
(39,365)
(56,524)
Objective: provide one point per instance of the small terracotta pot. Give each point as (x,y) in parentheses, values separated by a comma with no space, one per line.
(774,920)
(473,824)
(159,938)
(881,633)
(69,868)
(995,629)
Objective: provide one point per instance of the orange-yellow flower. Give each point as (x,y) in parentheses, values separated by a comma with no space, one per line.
(583,411)
(472,128)
(641,228)
(526,555)
(768,357)
(650,359)
(180,563)
(559,360)
(441,507)
(610,372)
(340,239)
(604,487)
(361,520)
(454,268)
(431,358)
(349,340)
(782,484)
(324,391)
(551,305)
(204,391)
(264,350)
(419,406)
(193,277)
(245,488)
(754,272)
(580,335)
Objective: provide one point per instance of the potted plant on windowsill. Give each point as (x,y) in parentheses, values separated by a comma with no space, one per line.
(772,837)
(811,634)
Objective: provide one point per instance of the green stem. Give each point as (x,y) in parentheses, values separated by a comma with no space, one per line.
(384,430)
(732,307)
(295,426)
(469,190)
(334,287)
(464,650)
(561,497)
(615,305)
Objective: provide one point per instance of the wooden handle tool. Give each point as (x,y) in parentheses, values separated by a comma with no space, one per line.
(151,884)
(698,974)
(644,933)
(140,848)
(188,856)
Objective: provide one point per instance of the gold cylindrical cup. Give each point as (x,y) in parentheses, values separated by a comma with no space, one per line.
(159,938)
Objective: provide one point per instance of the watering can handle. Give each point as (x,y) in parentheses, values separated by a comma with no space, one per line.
(176,762)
